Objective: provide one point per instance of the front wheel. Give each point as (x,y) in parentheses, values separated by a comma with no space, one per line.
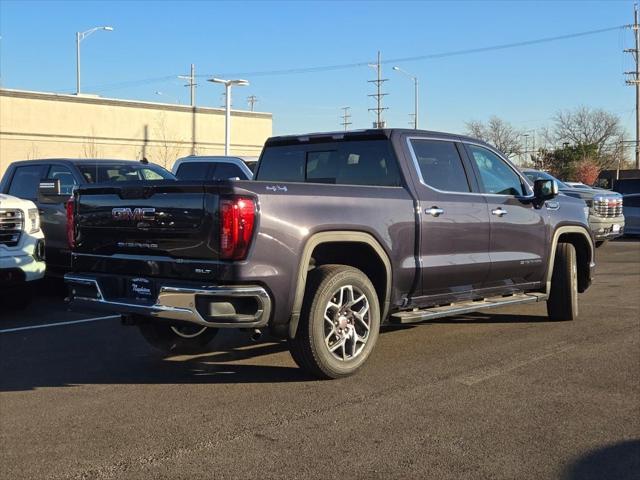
(339,322)
(563,298)
(177,339)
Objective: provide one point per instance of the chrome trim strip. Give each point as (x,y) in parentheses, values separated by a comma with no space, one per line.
(459,140)
(178,303)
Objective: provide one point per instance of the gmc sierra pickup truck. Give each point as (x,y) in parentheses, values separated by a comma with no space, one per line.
(337,234)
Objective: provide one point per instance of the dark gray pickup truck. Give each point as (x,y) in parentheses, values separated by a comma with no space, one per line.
(338,234)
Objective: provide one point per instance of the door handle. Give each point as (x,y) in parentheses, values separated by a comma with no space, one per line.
(499,211)
(434,211)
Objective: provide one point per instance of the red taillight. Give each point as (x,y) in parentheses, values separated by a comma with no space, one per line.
(71,229)
(237,217)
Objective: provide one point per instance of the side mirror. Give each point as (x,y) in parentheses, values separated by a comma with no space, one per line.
(50,191)
(545,190)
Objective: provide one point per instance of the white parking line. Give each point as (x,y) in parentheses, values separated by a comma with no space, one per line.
(47,325)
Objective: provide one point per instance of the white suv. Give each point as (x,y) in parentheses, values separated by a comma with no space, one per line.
(21,248)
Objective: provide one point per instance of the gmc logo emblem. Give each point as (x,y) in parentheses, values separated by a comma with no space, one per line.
(137,214)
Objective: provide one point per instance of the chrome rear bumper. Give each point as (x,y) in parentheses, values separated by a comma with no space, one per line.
(177,303)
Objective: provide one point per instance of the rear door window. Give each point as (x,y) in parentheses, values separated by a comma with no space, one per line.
(354,162)
(25,182)
(67,180)
(440,165)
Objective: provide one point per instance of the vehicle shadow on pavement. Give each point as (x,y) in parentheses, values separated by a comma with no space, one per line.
(620,461)
(28,363)
(102,354)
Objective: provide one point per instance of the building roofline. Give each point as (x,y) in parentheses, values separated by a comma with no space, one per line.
(119,102)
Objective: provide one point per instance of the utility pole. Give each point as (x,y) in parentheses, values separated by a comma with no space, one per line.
(252,100)
(635,77)
(191,83)
(346,117)
(379,123)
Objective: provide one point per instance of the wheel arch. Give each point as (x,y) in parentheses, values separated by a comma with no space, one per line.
(321,249)
(581,240)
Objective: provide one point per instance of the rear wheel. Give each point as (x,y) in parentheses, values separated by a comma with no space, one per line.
(177,339)
(339,322)
(563,299)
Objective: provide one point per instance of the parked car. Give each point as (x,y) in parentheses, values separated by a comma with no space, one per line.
(336,234)
(631,204)
(49,184)
(214,168)
(606,218)
(21,249)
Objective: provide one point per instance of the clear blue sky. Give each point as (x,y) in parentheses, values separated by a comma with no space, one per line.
(154,39)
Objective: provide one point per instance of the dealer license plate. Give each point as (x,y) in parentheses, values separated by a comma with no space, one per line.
(141,289)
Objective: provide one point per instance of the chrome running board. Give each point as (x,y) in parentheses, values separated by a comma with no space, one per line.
(424,314)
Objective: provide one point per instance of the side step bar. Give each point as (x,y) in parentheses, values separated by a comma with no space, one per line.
(416,316)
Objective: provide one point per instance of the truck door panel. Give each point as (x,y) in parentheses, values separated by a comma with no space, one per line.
(454,249)
(519,231)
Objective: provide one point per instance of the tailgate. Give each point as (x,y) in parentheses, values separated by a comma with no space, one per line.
(174,219)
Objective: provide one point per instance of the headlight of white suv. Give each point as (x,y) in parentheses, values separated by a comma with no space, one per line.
(33,221)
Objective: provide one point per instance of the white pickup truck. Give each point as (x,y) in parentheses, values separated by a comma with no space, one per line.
(21,249)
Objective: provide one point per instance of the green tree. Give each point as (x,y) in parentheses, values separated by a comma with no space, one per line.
(563,162)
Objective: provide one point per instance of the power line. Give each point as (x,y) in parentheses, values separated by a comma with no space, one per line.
(379,123)
(191,78)
(452,53)
(634,77)
(346,117)
(343,66)
(252,100)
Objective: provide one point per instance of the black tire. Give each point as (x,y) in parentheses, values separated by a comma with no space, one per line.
(563,300)
(168,338)
(310,348)
(600,243)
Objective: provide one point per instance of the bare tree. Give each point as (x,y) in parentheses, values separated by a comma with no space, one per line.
(499,133)
(89,147)
(586,128)
(169,147)
(33,152)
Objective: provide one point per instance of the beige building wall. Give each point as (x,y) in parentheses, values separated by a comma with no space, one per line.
(46,125)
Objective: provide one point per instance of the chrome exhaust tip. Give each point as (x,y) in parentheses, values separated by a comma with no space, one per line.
(255,335)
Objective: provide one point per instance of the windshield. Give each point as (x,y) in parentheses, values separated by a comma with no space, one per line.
(534,175)
(123,172)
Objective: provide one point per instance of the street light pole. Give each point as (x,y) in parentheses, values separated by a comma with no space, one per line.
(415,94)
(227,111)
(77,63)
(227,117)
(79,37)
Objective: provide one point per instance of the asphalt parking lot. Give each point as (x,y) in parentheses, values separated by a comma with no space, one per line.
(499,395)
